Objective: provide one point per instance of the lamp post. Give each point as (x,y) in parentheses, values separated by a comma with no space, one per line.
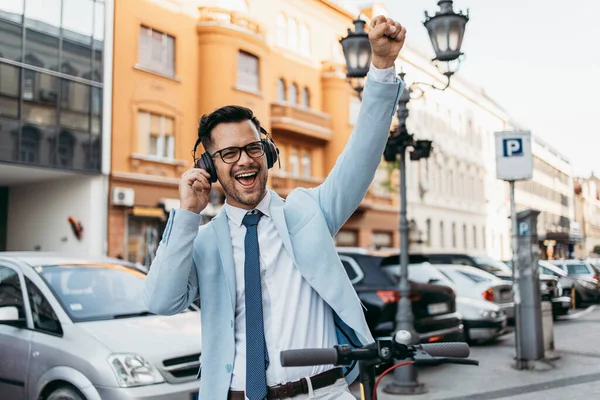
(446,31)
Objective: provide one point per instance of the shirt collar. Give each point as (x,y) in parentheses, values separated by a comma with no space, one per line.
(236,214)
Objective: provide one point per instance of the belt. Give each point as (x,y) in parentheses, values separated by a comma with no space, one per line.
(291,389)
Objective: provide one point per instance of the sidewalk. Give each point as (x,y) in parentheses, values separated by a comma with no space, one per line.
(575,375)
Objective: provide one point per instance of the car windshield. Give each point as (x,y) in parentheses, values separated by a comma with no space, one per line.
(578,269)
(492,265)
(97,291)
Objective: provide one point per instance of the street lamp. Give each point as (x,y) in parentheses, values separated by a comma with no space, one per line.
(357,52)
(446,31)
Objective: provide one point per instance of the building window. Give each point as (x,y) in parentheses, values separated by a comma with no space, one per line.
(442,239)
(306,166)
(483,238)
(454,235)
(247,72)
(474,237)
(293,94)
(382,239)
(293,34)
(305,101)
(281,30)
(157,138)
(294,165)
(157,51)
(465,236)
(428,227)
(281,90)
(346,238)
(304,40)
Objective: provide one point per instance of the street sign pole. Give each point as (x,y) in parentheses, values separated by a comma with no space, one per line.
(515,272)
(514,162)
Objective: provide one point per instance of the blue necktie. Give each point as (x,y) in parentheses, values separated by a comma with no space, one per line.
(256,350)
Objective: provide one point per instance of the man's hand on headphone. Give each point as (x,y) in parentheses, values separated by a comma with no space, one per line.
(387,39)
(194,190)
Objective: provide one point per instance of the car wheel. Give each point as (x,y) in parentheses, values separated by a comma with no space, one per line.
(65,393)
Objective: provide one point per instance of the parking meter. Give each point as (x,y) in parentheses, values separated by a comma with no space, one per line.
(527,287)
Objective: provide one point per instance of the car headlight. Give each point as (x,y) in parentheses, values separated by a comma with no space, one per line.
(133,370)
(543,287)
(490,314)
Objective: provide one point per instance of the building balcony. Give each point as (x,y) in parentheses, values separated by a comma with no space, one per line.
(301,121)
(214,16)
(283,183)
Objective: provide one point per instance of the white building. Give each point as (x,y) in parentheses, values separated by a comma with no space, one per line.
(454,200)
(551,191)
(587,215)
(55,102)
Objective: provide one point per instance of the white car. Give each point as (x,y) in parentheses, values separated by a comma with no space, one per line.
(78,329)
(483,319)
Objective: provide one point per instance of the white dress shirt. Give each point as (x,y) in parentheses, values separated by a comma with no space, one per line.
(295,316)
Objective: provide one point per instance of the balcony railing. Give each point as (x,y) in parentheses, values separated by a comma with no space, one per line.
(229,18)
(283,183)
(301,120)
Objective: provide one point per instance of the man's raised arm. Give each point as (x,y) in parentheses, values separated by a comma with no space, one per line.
(349,180)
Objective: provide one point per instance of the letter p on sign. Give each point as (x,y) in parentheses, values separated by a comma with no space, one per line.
(513,147)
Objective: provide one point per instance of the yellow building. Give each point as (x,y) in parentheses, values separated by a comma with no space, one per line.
(175,60)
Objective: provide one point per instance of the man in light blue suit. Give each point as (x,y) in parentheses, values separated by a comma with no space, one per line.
(266,269)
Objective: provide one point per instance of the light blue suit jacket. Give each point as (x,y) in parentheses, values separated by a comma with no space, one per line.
(193,262)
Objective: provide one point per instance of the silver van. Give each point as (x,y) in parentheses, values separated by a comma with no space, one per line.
(78,329)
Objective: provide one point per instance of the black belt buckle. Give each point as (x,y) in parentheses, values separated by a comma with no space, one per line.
(285,390)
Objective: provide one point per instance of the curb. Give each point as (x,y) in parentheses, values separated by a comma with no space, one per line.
(577,314)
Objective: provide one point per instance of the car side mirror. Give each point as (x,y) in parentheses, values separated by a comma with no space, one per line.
(9,315)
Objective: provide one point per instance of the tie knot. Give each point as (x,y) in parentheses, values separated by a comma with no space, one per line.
(251,219)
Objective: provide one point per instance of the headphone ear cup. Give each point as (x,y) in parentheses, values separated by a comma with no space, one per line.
(271,151)
(205,162)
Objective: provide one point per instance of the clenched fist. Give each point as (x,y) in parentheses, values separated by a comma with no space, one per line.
(387,38)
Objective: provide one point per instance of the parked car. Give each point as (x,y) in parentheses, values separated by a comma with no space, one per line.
(433,306)
(75,329)
(581,282)
(551,287)
(488,264)
(483,319)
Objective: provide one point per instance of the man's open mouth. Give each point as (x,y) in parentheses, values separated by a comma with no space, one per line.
(246,179)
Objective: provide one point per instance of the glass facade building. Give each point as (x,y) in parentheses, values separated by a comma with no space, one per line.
(51,83)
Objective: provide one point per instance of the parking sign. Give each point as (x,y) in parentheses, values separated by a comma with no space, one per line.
(514,161)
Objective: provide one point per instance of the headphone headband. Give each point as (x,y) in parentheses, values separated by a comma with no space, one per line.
(205,161)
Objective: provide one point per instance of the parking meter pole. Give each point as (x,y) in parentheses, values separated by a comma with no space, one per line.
(530,315)
(515,271)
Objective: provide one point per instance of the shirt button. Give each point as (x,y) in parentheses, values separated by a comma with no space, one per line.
(229,368)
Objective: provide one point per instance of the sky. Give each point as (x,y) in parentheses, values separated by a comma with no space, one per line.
(539,59)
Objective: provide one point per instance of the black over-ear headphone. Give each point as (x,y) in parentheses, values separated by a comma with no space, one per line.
(205,161)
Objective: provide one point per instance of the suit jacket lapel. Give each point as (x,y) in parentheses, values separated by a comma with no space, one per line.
(221,226)
(276,209)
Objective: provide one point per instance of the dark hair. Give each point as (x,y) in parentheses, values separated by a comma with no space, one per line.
(220,115)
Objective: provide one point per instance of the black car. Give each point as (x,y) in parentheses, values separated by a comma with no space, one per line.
(433,306)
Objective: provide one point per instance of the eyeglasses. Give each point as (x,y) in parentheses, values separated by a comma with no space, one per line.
(231,155)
